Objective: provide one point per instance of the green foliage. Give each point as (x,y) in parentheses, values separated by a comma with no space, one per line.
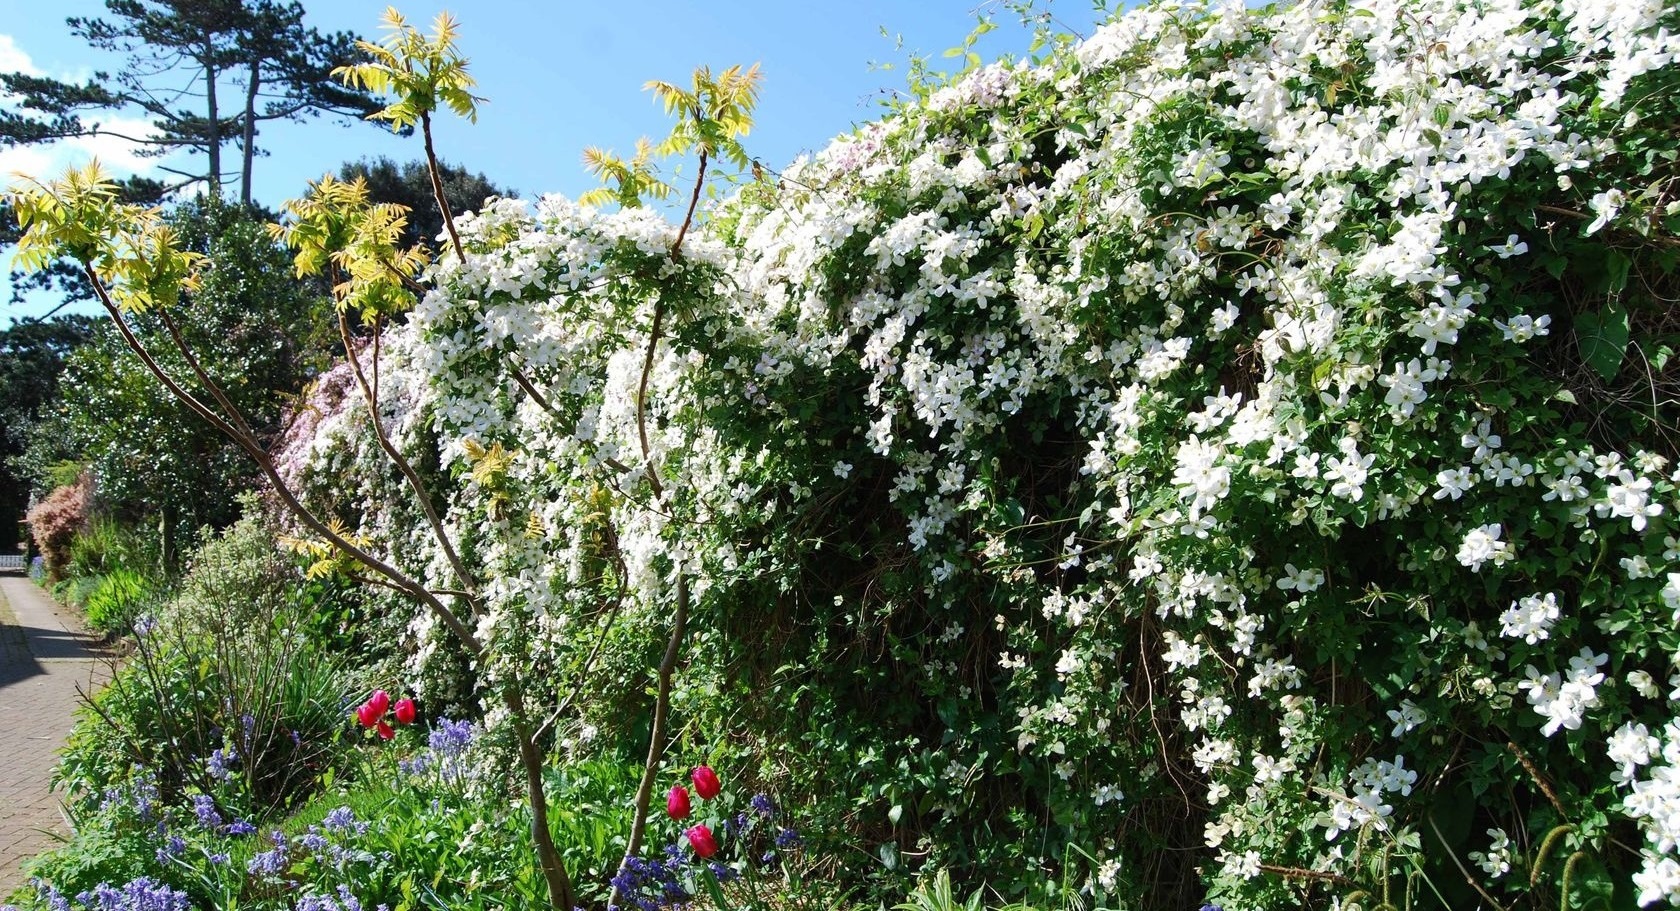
(284,66)
(32,355)
(420,72)
(119,598)
(410,185)
(223,668)
(248,324)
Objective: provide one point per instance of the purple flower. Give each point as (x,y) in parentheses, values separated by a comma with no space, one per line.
(143,894)
(343,819)
(450,738)
(240,827)
(220,760)
(763,805)
(788,838)
(204,806)
(171,849)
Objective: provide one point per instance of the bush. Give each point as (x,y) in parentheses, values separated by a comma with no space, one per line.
(224,695)
(1213,462)
(54,522)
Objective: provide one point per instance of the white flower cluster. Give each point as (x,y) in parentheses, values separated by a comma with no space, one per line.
(1246,319)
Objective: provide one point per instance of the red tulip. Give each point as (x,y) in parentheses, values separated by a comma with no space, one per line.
(676,803)
(404,711)
(386,732)
(706,784)
(380,700)
(366,716)
(701,840)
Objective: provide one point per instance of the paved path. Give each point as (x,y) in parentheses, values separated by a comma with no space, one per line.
(45,658)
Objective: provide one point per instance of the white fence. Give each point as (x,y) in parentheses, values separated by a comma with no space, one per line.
(11,561)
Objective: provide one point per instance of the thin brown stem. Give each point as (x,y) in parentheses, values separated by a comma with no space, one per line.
(407,280)
(641,397)
(656,737)
(265,464)
(1658,239)
(1539,780)
(693,204)
(203,375)
(1492,902)
(531,390)
(437,186)
(370,394)
(1302,873)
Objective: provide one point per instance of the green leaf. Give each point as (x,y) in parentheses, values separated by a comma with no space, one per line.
(1616,267)
(888,852)
(1603,339)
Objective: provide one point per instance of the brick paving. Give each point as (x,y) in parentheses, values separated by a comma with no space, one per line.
(46,659)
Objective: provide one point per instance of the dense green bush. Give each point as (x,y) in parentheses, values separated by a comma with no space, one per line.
(224,695)
(251,325)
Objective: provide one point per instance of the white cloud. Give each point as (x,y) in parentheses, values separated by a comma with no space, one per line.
(13,59)
(120,157)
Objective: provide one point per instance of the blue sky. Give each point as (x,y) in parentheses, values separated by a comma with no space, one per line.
(563,75)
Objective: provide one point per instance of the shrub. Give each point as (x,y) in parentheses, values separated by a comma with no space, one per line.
(1208,462)
(224,695)
(54,522)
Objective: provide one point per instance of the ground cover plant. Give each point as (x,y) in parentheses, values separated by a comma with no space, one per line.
(1227,459)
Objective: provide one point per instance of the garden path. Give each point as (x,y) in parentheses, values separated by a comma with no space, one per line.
(46,659)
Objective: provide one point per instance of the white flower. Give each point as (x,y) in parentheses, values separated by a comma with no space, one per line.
(1565,699)
(1406,718)
(1454,482)
(1496,861)
(1300,580)
(1629,498)
(1605,206)
(1524,328)
(1631,747)
(1348,471)
(1658,880)
(1481,545)
(1199,476)
(842,469)
(1530,619)
(1643,683)
(1511,247)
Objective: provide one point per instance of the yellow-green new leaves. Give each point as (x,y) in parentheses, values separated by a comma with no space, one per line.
(488,465)
(80,217)
(634,178)
(420,72)
(326,559)
(338,229)
(712,115)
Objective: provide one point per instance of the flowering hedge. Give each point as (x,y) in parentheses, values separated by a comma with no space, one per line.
(1229,455)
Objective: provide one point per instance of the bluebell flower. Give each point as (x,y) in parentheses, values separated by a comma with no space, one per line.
(763,805)
(218,764)
(343,819)
(204,807)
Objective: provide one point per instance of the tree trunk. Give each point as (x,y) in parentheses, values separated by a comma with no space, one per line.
(214,138)
(250,140)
